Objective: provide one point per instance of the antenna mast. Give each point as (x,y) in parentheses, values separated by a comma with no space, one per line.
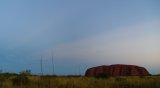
(52,62)
(79,72)
(41,66)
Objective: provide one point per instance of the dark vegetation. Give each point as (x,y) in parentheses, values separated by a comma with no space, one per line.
(103,80)
(103,75)
(11,80)
(20,80)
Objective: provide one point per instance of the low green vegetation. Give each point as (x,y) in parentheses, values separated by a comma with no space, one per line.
(23,81)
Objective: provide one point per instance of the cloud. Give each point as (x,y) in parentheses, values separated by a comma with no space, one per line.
(136,44)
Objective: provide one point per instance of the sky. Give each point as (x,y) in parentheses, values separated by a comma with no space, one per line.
(79,34)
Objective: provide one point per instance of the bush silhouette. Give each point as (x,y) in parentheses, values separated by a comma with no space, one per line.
(20,80)
(103,75)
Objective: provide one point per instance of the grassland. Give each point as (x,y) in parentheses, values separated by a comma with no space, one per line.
(79,82)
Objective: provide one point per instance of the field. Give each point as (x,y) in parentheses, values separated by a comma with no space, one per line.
(79,82)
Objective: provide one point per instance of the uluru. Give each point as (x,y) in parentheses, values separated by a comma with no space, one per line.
(117,70)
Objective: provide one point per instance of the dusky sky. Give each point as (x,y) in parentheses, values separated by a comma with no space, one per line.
(81,34)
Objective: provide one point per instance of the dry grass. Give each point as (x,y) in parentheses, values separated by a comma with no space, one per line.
(82,82)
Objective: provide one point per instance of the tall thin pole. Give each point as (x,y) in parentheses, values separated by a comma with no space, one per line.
(52,63)
(79,72)
(41,66)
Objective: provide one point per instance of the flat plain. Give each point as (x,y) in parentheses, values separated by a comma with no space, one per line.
(20,81)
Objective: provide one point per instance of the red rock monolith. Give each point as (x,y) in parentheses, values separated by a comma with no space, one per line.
(117,70)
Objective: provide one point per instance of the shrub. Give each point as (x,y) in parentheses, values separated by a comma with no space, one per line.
(103,75)
(20,80)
